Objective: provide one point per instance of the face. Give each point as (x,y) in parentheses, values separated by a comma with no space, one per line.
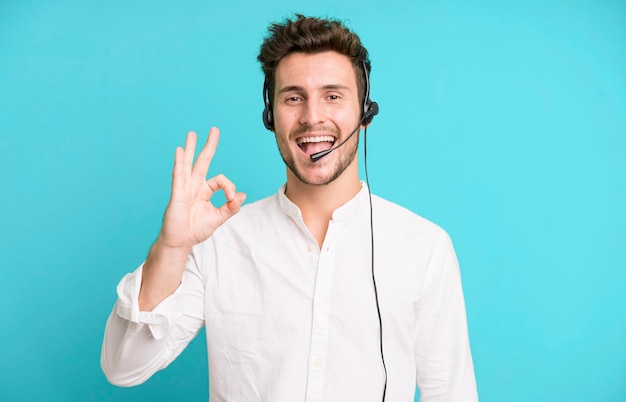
(316,107)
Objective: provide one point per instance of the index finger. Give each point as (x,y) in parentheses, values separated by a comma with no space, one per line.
(201,167)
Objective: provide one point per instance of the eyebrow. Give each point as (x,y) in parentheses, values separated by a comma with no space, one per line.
(296,88)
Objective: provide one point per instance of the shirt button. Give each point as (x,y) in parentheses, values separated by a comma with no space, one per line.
(311,248)
(317,363)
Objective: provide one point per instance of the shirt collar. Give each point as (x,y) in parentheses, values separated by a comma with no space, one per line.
(344,212)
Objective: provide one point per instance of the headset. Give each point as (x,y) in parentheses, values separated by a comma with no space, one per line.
(370,109)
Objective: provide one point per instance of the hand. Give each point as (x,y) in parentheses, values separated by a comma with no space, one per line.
(190,218)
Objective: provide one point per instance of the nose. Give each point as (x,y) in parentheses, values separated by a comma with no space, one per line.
(313,113)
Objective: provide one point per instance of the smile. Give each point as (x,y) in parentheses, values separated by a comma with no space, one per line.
(311,145)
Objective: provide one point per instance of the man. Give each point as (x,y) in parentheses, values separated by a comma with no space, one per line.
(305,296)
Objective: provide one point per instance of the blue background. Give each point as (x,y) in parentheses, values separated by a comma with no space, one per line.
(504,122)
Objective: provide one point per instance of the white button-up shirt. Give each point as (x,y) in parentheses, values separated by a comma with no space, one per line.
(288,321)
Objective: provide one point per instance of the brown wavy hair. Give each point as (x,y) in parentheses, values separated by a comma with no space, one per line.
(311,35)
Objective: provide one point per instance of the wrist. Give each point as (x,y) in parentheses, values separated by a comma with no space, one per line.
(162,247)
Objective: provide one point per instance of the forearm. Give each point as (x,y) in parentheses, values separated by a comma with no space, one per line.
(162,274)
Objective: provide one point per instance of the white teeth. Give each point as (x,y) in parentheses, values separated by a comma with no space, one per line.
(321,138)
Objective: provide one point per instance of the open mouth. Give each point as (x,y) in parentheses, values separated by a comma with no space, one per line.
(311,145)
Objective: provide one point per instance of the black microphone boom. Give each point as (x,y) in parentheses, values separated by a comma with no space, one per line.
(319,155)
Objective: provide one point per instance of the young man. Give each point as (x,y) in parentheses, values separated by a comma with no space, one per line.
(305,296)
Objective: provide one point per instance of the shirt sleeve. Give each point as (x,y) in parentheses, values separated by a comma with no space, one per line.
(445,370)
(139,343)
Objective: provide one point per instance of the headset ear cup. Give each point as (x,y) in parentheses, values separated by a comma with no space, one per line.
(268,119)
(370,112)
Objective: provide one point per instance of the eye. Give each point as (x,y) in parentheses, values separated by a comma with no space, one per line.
(334,97)
(293,99)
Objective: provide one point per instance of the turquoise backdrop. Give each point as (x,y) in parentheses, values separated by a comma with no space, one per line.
(502,121)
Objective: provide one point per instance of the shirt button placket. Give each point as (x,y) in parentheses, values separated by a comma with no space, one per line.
(320,324)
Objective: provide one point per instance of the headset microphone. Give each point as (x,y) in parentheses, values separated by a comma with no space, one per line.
(319,155)
(367,117)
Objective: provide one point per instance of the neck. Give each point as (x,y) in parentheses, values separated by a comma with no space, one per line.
(318,202)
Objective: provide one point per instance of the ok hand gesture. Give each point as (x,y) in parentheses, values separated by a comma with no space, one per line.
(190,217)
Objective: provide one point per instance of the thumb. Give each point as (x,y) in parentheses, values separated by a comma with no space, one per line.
(233,206)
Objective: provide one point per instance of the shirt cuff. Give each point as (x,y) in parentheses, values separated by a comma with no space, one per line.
(161,319)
